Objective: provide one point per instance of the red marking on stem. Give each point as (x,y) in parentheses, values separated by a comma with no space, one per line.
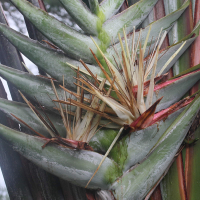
(41,4)
(73,144)
(163,114)
(195,59)
(164,84)
(146,118)
(195,48)
(159,12)
(147,83)
(188,168)
(181,178)
(156,194)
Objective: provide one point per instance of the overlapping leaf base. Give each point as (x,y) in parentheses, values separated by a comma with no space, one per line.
(121,83)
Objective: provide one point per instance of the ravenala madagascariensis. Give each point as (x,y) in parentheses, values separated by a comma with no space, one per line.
(112,113)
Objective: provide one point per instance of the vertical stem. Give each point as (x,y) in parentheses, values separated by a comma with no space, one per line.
(24,180)
(181,177)
(156,194)
(11,57)
(159,12)
(195,59)
(11,167)
(188,168)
